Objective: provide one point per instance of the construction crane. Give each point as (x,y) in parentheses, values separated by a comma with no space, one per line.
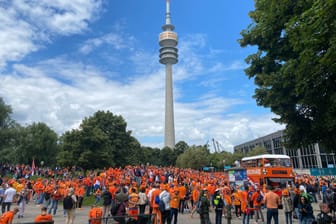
(217,146)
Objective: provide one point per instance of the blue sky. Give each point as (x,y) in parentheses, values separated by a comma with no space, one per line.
(61,61)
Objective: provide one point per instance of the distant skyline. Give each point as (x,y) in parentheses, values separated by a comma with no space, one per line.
(61,61)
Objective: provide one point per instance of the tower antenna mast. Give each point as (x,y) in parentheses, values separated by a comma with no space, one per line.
(168,56)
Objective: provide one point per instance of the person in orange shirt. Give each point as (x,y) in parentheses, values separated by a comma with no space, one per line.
(245,205)
(228,204)
(56,195)
(194,196)
(95,215)
(155,193)
(182,194)
(39,188)
(7,217)
(47,193)
(43,217)
(133,199)
(257,198)
(80,192)
(236,202)
(174,206)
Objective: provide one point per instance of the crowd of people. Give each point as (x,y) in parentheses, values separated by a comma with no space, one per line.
(136,193)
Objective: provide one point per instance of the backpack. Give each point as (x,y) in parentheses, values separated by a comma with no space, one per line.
(157,199)
(260,198)
(46,196)
(68,203)
(162,206)
(329,198)
(115,207)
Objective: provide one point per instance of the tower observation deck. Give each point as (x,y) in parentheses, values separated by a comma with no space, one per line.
(168,56)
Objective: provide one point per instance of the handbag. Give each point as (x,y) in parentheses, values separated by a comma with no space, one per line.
(280,206)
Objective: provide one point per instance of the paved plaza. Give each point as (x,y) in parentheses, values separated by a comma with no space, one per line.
(82,216)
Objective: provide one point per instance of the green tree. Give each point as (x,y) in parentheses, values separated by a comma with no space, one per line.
(294,66)
(167,157)
(11,143)
(149,155)
(69,144)
(196,157)
(257,150)
(101,141)
(6,124)
(36,141)
(180,147)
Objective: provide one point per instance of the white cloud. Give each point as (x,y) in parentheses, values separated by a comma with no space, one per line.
(59,16)
(35,96)
(35,22)
(14,43)
(116,40)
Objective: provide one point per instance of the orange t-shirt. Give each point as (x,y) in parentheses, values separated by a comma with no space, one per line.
(236,198)
(43,218)
(243,198)
(95,215)
(195,195)
(7,217)
(182,192)
(254,198)
(175,201)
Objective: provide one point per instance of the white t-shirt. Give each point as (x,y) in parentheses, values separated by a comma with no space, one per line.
(9,194)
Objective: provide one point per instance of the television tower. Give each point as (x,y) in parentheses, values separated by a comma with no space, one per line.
(168,56)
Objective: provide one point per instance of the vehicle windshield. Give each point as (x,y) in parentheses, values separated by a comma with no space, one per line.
(272,162)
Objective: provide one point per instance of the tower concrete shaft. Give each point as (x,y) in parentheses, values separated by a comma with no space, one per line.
(168,56)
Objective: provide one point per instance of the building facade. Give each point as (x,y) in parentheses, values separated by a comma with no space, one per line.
(312,156)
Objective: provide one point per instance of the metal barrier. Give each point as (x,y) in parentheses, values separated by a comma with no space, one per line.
(140,219)
(47,222)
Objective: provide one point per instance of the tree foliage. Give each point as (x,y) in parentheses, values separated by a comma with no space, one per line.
(294,66)
(36,141)
(6,123)
(257,150)
(101,141)
(196,157)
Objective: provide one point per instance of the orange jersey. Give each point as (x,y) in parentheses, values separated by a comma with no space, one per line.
(244,200)
(43,218)
(7,217)
(182,192)
(80,191)
(236,198)
(175,201)
(95,215)
(195,194)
